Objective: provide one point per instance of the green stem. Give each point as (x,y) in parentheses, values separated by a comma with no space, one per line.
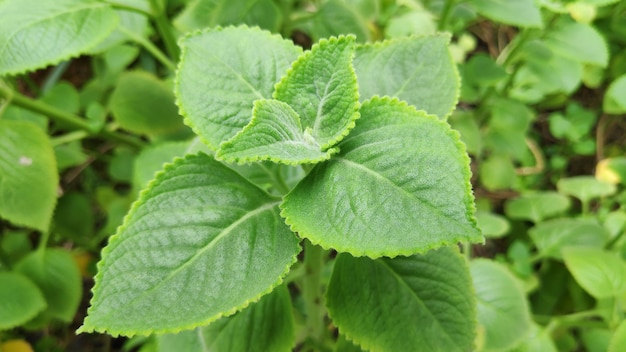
(126,7)
(150,47)
(68,137)
(68,119)
(165,30)
(43,242)
(614,240)
(54,76)
(445,13)
(574,319)
(312,291)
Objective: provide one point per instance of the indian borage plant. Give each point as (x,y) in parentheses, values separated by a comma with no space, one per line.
(386,186)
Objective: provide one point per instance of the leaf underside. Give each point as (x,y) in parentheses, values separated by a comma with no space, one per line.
(200,243)
(379,198)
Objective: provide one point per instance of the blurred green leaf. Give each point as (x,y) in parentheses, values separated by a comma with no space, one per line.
(579,42)
(615,97)
(523,13)
(21,300)
(585,188)
(537,206)
(497,172)
(599,272)
(552,236)
(492,225)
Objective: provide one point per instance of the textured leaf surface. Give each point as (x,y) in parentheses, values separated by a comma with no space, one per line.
(142,104)
(398,304)
(20,300)
(275,133)
(502,308)
(419,71)
(37,33)
(266,325)
(222,72)
(57,276)
(552,236)
(523,13)
(200,231)
(377,197)
(599,272)
(321,87)
(28,175)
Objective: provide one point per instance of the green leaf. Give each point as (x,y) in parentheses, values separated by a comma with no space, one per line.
(217,82)
(539,339)
(38,33)
(321,88)
(344,345)
(618,342)
(492,225)
(200,231)
(275,133)
(143,104)
(552,236)
(497,172)
(579,42)
(419,197)
(522,13)
(612,170)
(536,207)
(21,300)
(398,304)
(502,308)
(599,272)
(28,175)
(585,188)
(336,17)
(133,22)
(615,97)
(209,13)
(266,325)
(151,160)
(74,217)
(417,70)
(56,274)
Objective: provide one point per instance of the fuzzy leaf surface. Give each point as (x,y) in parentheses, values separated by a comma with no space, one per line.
(379,198)
(266,325)
(321,87)
(418,70)
(37,33)
(275,133)
(398,304)
(28,175)
(200,231)
(222,72)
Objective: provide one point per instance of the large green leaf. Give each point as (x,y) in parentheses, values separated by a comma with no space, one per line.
(56,274)
(379,198)
(266,325)
(275,133)
(552,236)
(321,87)
(418,70)
(143,104)
(222,72)
(400,304)
(20,300)
(523,13)
(200,243)
(502,308)
(580,42)
(37,33)
(599,272)
(28,175)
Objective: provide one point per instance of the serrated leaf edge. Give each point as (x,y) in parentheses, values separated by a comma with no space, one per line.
(299,61)
(103,33)
(470,207)
(87,328)
(447,37)
(183,50)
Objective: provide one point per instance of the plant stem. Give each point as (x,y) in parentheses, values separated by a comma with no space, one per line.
(58,115)
(165,29)
(68,137)
(126,7)
(614,240)
(312,291)
(150,47)
(445,13)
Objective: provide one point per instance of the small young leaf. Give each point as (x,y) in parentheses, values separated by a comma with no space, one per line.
(615,97)
(585,188)
(419,71)
(28,175)
(502,308)
(336,17)
(57,276)
(398,304)
(21,300)
(380,198)
(321,88)
(523,13)
(37,33)
(536,206)
(275,133)
(266,325)
(492,225)
(552,236)
(217,82)
(599,272)
(200,243)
